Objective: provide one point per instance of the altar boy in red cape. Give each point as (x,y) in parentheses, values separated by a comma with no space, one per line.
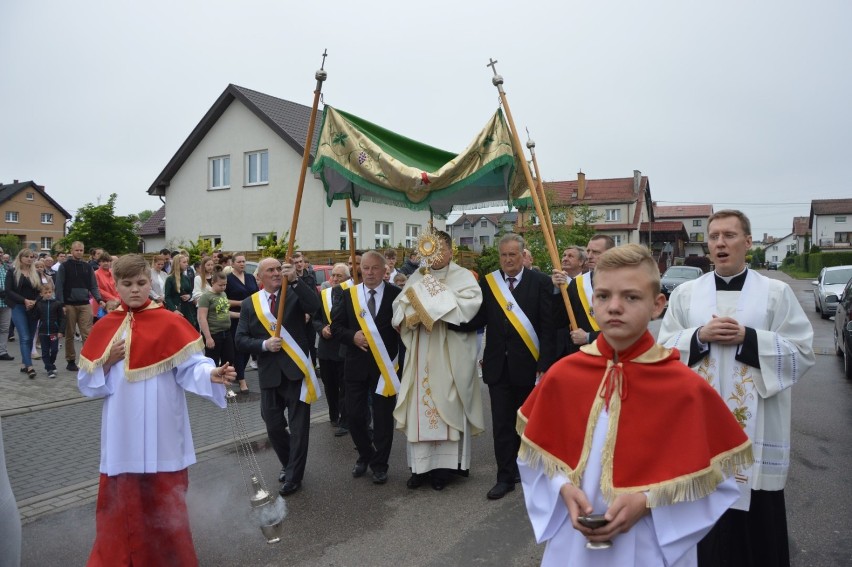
(141,358)
(623,428)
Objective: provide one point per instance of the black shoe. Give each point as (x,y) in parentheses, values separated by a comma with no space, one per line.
(414,481)
(359,469)
(332,423)
(289,487)
(72,367)
(500,490)
(282,476)
(438,483)
(341,431)
(6,356)
(517,479)
(380,477)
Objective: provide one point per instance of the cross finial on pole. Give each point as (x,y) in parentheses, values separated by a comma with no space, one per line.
(496,80)
(530,141)
(321,73)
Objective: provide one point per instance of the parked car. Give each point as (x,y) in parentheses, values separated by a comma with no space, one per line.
(830,282)
(677,275)
(843,328)
(773,265)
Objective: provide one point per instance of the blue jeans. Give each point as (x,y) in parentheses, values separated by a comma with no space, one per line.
(26,330)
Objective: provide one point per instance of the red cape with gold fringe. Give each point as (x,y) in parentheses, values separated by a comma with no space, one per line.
(156,341)
(670,433)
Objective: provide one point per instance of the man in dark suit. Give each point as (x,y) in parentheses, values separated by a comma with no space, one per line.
(280,376)
(330,352)
(510,365)
(580,295)
(361,367)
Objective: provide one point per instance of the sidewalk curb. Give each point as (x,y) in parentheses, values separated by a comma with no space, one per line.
(84,492)
(48,405)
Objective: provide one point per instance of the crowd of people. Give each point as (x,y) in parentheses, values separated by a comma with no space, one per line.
(630,450)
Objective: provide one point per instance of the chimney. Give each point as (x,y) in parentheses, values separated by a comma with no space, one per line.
(15,181)
(637,179)
(581,185)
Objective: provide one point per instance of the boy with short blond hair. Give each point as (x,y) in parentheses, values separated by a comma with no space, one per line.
(624,429)
(142,358)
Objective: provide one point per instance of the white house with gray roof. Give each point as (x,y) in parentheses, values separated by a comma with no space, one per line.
(234,180)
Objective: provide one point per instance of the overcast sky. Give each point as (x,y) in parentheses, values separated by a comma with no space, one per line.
(738,104)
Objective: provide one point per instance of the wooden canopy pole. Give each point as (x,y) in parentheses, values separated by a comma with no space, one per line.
(497,81)
(320,76)
(549,221)
(354,273)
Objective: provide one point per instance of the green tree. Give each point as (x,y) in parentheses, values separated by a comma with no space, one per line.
(198,249)
(143,216)
(571,225)
(488,261)
(276,246)
(10,244)
(97,226)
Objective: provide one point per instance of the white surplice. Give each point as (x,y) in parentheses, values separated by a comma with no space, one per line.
(759,397)
(439,405)
(667,536)
(145,424)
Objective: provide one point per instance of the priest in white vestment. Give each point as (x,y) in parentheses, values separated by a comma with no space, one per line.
(439,405)
(749,337)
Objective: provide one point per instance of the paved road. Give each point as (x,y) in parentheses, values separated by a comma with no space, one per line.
(336,520)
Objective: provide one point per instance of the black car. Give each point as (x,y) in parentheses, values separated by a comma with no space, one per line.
(843,328)
(677,275)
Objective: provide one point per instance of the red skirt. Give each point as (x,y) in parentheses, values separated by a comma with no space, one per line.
(142,521)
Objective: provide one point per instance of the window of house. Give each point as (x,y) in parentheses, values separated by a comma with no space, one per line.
(613,214)
(616,238)
(214,240)
(558,217)
(344,233)
(842,236)
(11,216)
(696,222)
(840,219)
(258,238)
(484,223)
(693,236)
(257,167)
(466,241)
(30,196)
(46,242)
(220,172)
(466,225)
(47,218)
(412,231)
(775,247)
(383,235)
(483,240)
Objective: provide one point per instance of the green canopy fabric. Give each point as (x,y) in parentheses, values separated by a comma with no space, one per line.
(356,159)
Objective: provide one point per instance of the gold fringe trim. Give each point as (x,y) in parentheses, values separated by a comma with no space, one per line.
(422,314)
(611,433)
(141,374)
(686,488)
(184,354)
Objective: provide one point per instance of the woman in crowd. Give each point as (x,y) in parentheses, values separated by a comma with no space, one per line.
(203,277)
(158,278)
(240,286)
(178,290)
(22,290)
(214,321)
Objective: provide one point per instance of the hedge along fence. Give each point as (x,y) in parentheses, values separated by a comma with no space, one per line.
(815,262)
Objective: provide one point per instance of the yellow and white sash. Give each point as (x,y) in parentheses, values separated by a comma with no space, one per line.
(584,291)
(311,391)
(513,311)
(389,383)
(327,298)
